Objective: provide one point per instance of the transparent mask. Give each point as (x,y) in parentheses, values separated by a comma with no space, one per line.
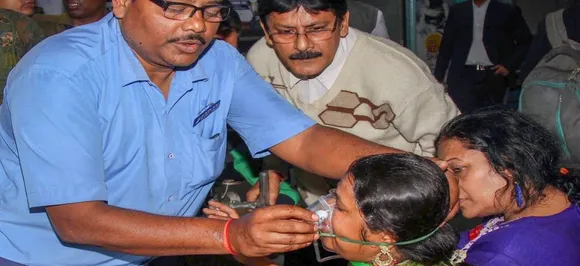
(324,209)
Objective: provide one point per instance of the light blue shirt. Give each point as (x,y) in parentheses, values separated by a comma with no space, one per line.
(82,121)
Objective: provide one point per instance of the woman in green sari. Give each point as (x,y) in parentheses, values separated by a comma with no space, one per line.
(389,209)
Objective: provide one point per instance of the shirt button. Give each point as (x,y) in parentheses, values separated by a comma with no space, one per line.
(171,156)
(170,199)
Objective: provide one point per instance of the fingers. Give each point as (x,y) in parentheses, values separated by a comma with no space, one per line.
(294,227)
(253,193)
(208,211)
(218,217)
(274,180)
(286,248)
(443,165)
(224,208)
(272,229)
(500,70)
(452,212)
(216,214)
(284,212)
(271,249)
(273,239)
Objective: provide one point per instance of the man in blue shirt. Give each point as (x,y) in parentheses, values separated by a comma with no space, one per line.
(113,133)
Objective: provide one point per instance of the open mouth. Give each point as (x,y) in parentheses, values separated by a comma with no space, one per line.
(73,4)
(189,47)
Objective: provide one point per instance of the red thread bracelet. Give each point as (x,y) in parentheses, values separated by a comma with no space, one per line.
(226,238)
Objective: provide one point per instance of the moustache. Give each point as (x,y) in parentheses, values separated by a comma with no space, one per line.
(189,37)
(305,55)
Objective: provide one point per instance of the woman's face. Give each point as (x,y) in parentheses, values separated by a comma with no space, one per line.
(480,187)
(347,222)
(25,7)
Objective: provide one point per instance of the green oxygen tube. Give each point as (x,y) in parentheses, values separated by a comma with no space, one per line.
(354,263)
(242,166)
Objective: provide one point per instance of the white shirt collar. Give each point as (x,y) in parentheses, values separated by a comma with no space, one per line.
(326,79)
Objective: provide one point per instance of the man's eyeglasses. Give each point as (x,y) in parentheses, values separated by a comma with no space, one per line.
(183,11)
(315,34)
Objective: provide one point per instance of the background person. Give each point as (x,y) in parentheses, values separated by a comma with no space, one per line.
(483,41)
(18,34)
(346,79)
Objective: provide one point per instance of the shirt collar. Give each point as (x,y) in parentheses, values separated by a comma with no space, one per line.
(193,73)
(484,6)
(132,70)
(331,73)
(197,71)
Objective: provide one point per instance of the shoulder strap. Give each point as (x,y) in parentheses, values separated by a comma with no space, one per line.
(555,28)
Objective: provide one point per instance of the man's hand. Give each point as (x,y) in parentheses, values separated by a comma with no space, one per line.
(274,229)
(441,163)
(275,180)
(453,188)
(454,196)
(500,70)
(220,211)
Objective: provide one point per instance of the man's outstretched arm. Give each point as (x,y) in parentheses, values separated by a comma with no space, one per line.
(326,151)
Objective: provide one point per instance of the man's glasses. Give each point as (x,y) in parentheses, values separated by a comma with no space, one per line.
(315,34)
(183,11)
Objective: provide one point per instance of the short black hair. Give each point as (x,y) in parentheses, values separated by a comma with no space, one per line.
(266,7)
(232,24)
(514,142)
(408,196)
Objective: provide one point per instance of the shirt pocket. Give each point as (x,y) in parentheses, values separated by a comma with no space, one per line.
(208,157)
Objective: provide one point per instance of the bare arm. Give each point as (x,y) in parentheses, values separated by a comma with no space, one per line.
(268,230)
(96,223)
(326,151)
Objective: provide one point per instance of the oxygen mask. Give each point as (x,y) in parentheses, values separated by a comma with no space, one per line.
(324,208)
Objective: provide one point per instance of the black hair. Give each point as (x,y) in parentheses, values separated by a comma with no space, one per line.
(407,196)
(232,24)
(266,7)
(513,143)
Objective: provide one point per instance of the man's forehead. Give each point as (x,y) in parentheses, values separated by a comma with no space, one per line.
(301,17)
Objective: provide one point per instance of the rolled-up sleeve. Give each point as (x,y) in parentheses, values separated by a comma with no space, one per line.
(260,115)
(58,136)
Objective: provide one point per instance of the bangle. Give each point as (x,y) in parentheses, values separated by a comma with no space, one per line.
(226,238)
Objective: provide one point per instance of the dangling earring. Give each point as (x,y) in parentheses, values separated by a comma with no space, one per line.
(519,195)
(378,260)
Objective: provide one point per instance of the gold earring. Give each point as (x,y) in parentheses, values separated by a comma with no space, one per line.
(378,260)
